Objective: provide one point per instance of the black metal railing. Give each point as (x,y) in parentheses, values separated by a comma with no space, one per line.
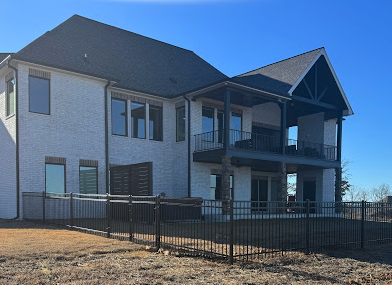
(264,143)
(231,230)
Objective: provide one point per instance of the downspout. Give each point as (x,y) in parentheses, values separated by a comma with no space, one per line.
(189,145)
(16,137)
(107,137)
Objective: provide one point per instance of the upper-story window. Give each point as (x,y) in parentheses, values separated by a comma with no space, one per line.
(39,91)
(10,97)
(180,124)
(138,120)
(156,123)
(208,124)
(119,117)
(236,127)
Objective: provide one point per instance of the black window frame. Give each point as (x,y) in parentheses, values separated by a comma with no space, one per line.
(160,108)
(145,121)
(177,124)
(126,116)
(96,175)
(49,95)
(208,136)
(65,176)
(219,186)
(7,97)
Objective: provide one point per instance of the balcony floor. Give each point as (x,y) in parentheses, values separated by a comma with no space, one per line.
(264,161)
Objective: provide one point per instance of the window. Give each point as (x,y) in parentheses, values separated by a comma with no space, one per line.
(156,123)
(221,125)
(236,127)
(39,95)
(55,178)
(88,180)
(138,120)
(208,124)
(10,97)
(119,117)
(216,187)
(180,124)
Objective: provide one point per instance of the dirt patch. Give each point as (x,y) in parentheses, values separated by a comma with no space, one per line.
(31,254)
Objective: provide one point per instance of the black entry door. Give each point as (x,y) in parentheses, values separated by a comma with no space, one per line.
(310,190)
(310,194)
(259,194)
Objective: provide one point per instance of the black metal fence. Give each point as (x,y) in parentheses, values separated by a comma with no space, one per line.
(231,230)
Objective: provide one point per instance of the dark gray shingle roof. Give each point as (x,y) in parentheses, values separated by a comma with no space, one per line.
(279,77)
(138,63)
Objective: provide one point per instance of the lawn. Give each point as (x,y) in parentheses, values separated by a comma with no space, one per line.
(32,254)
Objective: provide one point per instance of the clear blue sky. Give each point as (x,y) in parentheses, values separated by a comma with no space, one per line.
(237,36)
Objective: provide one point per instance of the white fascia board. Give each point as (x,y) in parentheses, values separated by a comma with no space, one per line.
(348,112)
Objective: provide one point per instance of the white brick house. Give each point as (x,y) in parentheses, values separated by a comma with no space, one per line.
(57,134)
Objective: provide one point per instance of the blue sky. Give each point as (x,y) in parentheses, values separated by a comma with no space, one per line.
(237,36)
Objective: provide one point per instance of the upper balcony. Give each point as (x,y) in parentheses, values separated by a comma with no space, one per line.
(252,148)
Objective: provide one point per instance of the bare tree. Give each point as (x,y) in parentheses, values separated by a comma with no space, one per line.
(291,184)
(380,192)
(346,177)
(355,193)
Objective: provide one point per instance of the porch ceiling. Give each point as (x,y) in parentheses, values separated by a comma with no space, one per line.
(266,162)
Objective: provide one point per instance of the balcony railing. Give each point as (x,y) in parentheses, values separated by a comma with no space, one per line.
(264,143)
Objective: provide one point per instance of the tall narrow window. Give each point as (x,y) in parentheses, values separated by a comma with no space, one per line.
(39,95)
(236,128)
(216,187)
(55,178)
(180,124)
(221,123)
(208,124)
(119,117)
(10,97)
(156,123)
(138,120)
(88,180)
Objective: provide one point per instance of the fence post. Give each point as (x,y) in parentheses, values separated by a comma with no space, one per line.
(108,214)
(130,205)
(307,227)
(43,206)
(158,222)
(71,210)
(363,224)
(231,238)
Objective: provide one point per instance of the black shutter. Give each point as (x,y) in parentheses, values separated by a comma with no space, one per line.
(141,174)
(134,179)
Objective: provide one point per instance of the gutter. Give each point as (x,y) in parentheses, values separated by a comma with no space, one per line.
(107,137)
(189,145)
(16,137)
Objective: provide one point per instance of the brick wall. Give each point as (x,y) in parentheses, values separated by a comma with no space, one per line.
(7,155)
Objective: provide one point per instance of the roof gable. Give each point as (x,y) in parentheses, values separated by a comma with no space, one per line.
(135,62)
(282,75)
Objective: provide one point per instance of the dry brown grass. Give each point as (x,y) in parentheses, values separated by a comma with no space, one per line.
(31,254)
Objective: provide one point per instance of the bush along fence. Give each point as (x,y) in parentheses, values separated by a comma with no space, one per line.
(230,230)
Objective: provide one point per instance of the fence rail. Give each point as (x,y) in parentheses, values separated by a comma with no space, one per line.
(230,230)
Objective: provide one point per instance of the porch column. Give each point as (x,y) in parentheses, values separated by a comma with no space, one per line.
(226,123)
(339,137)
(283,126)
(226,170)
(338,184)
(282,182)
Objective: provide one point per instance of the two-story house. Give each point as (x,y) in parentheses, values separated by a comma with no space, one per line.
(87,99)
